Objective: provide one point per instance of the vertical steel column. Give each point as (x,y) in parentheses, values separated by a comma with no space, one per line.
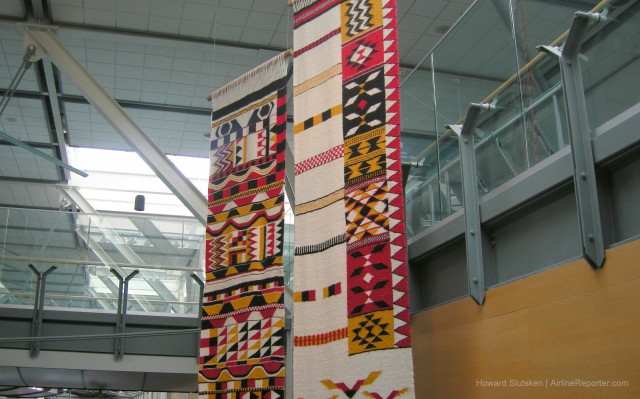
(121,317)
(473,229)
(584,175)
(201,285)
(38,308)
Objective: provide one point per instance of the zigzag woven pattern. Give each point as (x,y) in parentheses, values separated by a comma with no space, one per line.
(242,343)
(351,307)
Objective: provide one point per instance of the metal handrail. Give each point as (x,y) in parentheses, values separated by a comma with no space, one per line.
(100,298)
(90,263)
(545,96)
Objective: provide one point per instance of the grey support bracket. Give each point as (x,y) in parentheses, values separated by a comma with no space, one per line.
(199,326)
(584,175)
(121,317)
(38,308)
(473,229)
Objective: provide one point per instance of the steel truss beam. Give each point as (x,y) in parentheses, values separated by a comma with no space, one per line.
(45,41)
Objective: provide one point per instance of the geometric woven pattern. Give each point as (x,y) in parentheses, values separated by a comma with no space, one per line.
(354,342)
(242,344)
(366,212)
(376,258)
(364,97)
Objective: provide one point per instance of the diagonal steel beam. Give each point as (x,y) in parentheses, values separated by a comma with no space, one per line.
(74,196)
(164,293)
(44,39)
(155,236)
(148,229)
(58,127)
(107,261)
(40,154)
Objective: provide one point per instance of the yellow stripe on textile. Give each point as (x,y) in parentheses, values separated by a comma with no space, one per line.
(318,119)
(318,79)
(245,194)
(320,202)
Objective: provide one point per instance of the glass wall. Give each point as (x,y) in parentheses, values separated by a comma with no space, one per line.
(490,56)
(88,249)
(288,245)
(611,64)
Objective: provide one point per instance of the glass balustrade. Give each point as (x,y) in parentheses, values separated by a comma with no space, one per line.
(288,246)
(86,248)
(490,56)
(610,64)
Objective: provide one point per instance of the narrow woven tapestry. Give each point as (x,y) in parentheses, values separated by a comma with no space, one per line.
(351,306)
(242,340)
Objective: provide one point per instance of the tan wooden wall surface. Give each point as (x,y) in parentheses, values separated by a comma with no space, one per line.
(567,325)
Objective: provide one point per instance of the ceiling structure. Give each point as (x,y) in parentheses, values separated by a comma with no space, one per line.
(159,59)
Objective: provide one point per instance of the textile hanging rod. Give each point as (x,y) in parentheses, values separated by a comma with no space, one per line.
(287,53)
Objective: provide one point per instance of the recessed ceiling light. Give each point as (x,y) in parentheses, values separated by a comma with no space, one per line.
(442,29)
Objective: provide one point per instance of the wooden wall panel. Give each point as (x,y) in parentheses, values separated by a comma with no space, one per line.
(566,323)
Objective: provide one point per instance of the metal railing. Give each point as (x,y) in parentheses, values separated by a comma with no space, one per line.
(529,122)
(91,250)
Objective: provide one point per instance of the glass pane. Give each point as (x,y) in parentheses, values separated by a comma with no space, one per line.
(418,134)
(540,91)
(288,247)
(86,248)
(611,64)
(471,64)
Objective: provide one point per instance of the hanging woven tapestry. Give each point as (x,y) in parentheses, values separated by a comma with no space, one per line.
(242,342)
(351,307)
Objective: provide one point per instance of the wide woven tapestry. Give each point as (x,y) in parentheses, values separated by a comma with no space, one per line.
(351,307)
(242,340)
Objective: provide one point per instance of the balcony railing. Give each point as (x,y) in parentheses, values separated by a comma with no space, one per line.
(91,251)
(490,56)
